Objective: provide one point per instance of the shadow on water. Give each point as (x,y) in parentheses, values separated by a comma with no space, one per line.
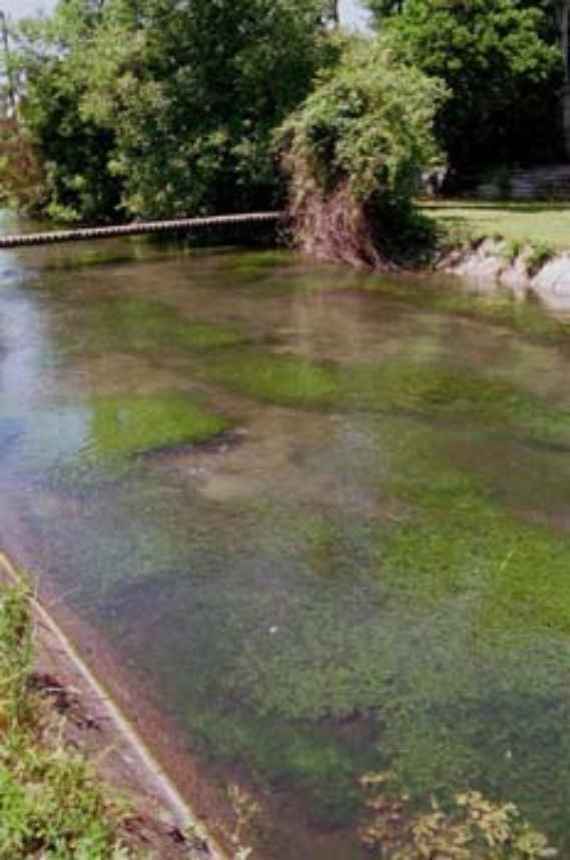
(352,551)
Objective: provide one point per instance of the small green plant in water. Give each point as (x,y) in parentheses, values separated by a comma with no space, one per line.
(284,380)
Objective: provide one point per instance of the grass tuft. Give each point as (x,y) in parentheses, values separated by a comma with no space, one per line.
(51,805)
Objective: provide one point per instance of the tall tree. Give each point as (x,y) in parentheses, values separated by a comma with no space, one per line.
(195,93)
(160,108)
(503,69)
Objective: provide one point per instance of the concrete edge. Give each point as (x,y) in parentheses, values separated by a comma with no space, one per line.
(173,801)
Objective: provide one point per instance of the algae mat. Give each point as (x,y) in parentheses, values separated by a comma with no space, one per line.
(321,517)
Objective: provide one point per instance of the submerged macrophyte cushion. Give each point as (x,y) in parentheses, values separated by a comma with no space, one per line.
(123,426)
(144,325)
(106,433)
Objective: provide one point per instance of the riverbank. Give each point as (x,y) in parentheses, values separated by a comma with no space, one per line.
(517,224)
(517,245)
(76,779)
(492,259)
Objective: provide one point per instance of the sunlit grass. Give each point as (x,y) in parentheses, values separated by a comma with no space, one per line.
(533,222)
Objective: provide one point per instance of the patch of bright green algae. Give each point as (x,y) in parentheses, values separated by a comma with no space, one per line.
(282,380)
(123,426)
(395,387)
(106,433)
(457,541)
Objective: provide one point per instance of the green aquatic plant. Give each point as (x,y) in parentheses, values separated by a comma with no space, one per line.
(456,395)
(123,426)
(262,262)
(456,539)
(283,380)
(144,325)
(401,386)
(319,766)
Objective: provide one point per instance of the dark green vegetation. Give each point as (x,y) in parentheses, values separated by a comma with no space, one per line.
(354,150)
(136,325)
(500,60)
(50,803)
(154,110)
(454,395)
(148,110)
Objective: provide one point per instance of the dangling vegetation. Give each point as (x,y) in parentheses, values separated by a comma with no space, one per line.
(355,150)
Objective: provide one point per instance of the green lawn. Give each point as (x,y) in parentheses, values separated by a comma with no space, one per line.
(533,223)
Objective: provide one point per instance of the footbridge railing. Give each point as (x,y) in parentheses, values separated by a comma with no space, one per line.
(137,228)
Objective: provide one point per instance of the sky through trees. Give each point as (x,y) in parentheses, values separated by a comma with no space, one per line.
(351,10)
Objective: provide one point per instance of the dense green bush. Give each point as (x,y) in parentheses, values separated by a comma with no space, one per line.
(355,150)
(159,109)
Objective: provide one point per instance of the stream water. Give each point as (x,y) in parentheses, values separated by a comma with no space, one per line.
(322,517)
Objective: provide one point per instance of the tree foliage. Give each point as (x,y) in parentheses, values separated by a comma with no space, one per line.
(384,8)
(159,108)
(154,108)
(503,68)
(355,149)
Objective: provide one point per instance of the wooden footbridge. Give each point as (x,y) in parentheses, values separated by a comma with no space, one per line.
(137,228)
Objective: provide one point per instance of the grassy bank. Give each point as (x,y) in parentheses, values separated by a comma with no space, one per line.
(534,224)
(51,804)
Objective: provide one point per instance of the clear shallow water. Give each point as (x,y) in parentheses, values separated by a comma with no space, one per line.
(323,516)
